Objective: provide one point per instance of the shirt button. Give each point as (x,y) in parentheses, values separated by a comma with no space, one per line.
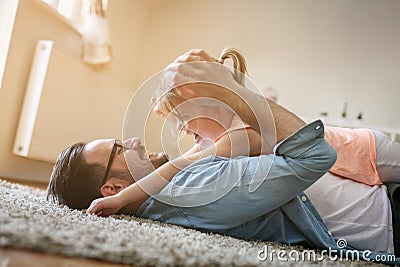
(304,198)
(330,233)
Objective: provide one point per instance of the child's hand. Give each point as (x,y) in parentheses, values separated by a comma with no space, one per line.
(105,206)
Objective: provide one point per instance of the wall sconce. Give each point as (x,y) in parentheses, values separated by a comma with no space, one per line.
(96,48)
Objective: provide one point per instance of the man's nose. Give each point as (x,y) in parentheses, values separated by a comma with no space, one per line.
(132,143)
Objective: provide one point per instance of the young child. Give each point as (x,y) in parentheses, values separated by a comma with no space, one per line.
(356,148)
(212,121)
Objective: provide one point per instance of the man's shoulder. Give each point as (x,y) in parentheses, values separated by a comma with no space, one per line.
(211,168)
(212,162)
(204,166)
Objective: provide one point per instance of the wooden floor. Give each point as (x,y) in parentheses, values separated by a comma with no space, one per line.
(21,258)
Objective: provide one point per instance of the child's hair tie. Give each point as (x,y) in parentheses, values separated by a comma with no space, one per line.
(220,60)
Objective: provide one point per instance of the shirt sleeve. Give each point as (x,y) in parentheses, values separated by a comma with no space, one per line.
(228,192)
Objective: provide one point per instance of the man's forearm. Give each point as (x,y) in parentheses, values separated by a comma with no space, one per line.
(214,80)
(286,122)
(255,110)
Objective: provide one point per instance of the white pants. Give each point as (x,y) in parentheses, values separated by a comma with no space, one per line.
(387,158)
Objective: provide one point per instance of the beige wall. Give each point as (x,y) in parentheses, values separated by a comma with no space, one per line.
(317,54)
(35,21)
(7,18)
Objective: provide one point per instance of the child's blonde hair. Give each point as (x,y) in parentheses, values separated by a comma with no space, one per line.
(167,101)
(239,63)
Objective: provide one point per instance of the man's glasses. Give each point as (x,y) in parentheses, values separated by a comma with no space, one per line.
(117,144)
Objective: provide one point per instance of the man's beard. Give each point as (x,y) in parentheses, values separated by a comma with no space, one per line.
(136,172)
(158,162)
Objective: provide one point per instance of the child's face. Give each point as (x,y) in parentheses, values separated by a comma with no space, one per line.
(203,128)
(200,121)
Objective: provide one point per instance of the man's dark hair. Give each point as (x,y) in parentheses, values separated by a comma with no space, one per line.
(73,181)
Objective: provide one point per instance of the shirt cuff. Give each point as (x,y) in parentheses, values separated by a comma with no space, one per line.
(299,139)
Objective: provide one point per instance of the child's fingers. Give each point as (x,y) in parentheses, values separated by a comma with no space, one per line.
(99,213)
(95,207)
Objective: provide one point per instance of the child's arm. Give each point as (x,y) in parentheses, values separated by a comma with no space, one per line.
(137,193)
(242,142)
(247,142)
(194,149)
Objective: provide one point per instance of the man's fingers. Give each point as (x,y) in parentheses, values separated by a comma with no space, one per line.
(194,55)
(200,53)
(187,58)
(194,72)
(178,74)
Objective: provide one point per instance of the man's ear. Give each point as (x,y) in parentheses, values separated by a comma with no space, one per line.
(113,186)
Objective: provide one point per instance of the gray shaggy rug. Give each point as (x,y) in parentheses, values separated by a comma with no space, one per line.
(28,221)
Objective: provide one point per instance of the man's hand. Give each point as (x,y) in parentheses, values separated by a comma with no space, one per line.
(204,80)
(196,74)
(202,74)
(105,206)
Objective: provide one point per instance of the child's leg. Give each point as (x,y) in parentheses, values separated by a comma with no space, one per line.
(387,158)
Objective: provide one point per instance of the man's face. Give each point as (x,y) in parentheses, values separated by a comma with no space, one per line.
(132,157)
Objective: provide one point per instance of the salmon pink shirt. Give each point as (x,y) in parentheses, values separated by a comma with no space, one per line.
(356,154)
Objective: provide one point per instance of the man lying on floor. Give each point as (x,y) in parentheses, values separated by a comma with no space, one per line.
(284,197)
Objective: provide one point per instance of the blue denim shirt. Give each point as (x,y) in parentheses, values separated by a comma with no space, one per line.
(253,197)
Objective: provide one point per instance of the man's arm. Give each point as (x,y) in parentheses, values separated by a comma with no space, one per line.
(230,192)
(209,79)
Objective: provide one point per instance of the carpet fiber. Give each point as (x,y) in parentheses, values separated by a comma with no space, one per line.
(28,221)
